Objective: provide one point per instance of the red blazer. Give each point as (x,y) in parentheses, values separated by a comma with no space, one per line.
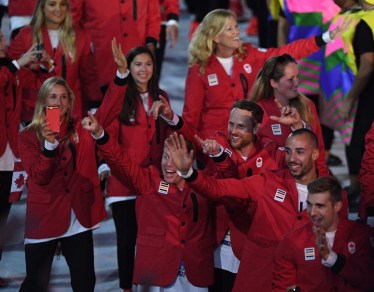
(142,141)
(265,156)
(169,9)
(210,96)
(132,26)
(277,212)
(65,178)
(80,75)
(352,240)
(367,176)
(10,106)
(173,225)
(280,136)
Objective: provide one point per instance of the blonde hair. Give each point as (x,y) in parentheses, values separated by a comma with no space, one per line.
(202,45)
(67,33)
(39,113)
(274,69)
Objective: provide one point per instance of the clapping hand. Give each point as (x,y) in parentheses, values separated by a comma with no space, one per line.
(320,235)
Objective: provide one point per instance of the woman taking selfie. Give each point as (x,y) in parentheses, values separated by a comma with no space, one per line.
(64,201)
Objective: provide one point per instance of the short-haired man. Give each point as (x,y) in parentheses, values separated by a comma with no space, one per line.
(329,253)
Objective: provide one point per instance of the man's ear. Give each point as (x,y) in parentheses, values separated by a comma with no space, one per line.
(257,128)
(315,154)
(338,206)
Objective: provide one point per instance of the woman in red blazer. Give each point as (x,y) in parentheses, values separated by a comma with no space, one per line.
(68,53)
(64,201)
(223,69)
(142,136)
(278,79)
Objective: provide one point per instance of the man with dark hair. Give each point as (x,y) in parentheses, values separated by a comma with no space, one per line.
(329,253)
(279,197)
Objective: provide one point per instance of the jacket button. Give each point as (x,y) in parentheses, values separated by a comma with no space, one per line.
(7,125)
(65,173)
(299,217)
(233,85)
(123,18)
(184,206)
(67,190)
(183,223)
(64,158)
(150,143)
(183,241)
(125,34)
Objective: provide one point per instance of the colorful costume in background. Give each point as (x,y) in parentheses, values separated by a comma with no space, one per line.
(308,18)
(337,76)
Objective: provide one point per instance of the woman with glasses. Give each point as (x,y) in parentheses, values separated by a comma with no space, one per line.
(277,86)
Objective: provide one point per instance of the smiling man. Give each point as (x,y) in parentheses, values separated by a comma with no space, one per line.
(329,253)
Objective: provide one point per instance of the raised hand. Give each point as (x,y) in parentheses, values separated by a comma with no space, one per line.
(342,27)
(181,157)
(210,146)
(162,106)
(289,116)
(91,124)
(119,57)
(172,33)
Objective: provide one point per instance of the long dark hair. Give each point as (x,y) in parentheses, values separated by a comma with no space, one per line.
(132,96)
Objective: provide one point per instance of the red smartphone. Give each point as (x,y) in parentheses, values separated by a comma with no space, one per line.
(53,118)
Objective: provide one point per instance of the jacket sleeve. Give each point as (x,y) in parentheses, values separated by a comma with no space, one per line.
(6,73)
(153,23)
(284,269)
(356,267)
(170,8)
(297,49)
(136,178)
(194,97)
(112,102)
(39,165)
(228,191)
(367,176)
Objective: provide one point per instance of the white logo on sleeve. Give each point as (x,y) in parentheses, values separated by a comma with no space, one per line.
(212,79)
